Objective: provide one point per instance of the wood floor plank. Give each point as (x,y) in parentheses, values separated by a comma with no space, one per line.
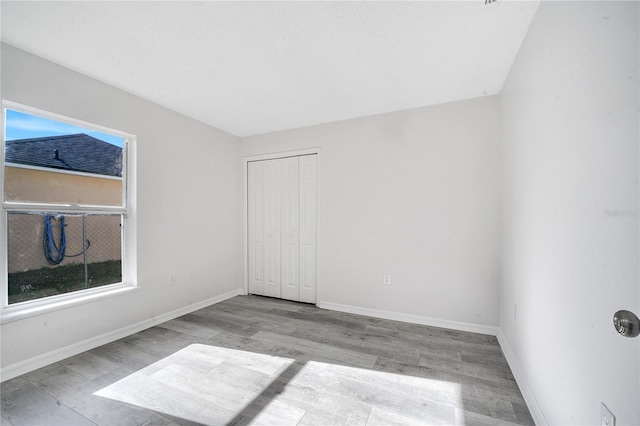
(90,365)
(384,417)
(465,417)
(252,360)
(190,328)
(330,351)
(30,405)
(104,411)
(361,342)
(120,353)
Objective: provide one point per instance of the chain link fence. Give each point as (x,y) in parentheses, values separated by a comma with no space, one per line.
(55,253)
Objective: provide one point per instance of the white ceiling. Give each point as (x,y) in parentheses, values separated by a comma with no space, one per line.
(256,67)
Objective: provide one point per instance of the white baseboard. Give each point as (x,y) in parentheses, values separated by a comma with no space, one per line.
(415,319)
(532,403)
(23,367)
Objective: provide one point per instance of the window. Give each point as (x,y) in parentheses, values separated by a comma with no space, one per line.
(66,208)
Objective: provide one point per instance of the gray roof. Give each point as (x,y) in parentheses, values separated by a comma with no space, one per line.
(78,153)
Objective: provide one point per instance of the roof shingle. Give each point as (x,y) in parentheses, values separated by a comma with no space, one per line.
(79,153)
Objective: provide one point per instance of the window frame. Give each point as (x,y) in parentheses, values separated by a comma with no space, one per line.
(39,306)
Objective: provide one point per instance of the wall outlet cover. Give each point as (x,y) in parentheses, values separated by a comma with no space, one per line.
(606,416)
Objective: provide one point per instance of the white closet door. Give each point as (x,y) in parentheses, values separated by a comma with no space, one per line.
(272,226)
(290,234)
(308,183)
(281,229)
(255,226)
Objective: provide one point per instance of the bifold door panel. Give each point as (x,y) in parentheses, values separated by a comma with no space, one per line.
(281,213)
(308,194)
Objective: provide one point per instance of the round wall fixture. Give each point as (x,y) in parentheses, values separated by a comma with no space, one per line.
(626,323)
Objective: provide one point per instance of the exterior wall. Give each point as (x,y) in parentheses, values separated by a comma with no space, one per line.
(22,184)
(26,232)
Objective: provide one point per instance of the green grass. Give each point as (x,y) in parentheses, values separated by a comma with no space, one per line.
(44,282)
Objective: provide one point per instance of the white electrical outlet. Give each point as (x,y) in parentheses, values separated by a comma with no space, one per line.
(606,416)
(387,280)
(172,280)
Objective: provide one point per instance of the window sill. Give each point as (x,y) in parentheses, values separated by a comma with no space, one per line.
(33,308)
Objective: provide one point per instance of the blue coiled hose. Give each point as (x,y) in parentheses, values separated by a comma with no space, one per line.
(54,253)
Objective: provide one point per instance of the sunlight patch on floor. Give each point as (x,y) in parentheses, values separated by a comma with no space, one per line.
(214,385)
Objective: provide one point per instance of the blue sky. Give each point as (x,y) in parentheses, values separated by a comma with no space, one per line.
(23,126)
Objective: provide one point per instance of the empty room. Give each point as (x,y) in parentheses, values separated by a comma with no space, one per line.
(314,213)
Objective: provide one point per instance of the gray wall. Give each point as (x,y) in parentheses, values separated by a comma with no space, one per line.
(412,194)
(570,254)
(189,206)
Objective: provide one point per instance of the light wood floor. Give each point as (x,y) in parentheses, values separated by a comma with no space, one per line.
(255,360)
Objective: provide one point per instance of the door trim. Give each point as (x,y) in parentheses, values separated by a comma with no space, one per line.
(245,182)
